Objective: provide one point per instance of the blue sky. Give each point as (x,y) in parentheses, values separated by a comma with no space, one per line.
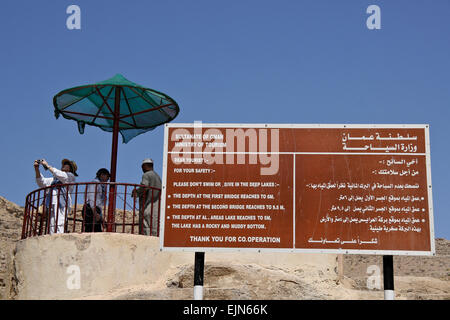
(223,62)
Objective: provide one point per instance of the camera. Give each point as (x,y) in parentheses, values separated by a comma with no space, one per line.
(39,161)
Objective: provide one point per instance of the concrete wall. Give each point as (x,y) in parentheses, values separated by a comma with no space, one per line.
(46,267)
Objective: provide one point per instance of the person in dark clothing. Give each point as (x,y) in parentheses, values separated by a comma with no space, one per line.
(95,198)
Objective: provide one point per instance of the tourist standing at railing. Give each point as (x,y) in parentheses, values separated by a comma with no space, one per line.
(148,199)
(95,198)
(57,200)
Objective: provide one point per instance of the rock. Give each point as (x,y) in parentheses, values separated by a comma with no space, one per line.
(11,217)
(227,276)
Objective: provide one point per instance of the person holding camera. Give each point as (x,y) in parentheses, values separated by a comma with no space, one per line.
(95,198)
(57,199)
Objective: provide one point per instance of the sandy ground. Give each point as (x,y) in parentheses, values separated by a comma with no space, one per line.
(247,282)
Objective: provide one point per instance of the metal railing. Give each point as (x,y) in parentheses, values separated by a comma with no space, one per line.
(92,207)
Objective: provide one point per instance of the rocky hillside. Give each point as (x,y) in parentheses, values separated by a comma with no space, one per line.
(11,216)
(415,277)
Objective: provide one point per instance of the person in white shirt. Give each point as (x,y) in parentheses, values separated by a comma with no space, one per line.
(95,198)
(58,198)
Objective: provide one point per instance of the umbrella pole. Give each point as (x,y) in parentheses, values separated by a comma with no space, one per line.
(115,139)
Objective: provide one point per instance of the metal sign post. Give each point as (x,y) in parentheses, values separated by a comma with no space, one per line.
(198,275)
(388,277)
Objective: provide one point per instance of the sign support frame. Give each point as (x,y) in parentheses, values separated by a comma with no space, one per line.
(388,277)
(199,268)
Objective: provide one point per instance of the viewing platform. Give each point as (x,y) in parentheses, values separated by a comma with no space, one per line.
(46,211)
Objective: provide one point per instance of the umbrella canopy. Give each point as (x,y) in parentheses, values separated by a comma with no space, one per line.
(115,105)
(137,109)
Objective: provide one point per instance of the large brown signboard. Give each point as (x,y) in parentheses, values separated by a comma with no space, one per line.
(300,188)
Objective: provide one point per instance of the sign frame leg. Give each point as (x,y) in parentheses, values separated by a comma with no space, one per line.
(199,267)
(388,277)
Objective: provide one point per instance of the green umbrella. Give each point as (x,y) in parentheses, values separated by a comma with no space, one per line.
(116,105)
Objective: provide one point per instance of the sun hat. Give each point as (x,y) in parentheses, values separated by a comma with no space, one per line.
(103,171)
(72,164)
(148,160)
